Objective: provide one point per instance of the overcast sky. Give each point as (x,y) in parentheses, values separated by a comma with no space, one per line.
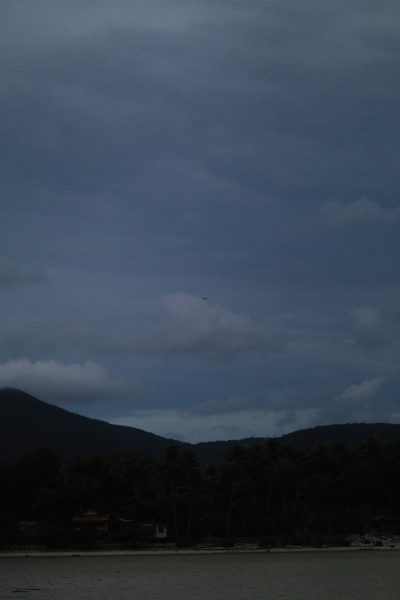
(200,211)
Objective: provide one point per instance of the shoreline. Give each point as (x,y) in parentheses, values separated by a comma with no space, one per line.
(190,551)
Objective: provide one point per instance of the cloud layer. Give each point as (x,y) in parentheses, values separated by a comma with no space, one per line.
(183,324)
(359,211)
(12,274)
(369,329)
(195,325)
(58,382)
(156,154)
(193,427)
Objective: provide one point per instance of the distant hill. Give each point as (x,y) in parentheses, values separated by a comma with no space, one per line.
(350,434)
(27,423)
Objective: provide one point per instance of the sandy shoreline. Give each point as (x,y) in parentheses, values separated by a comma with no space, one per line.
(190,551)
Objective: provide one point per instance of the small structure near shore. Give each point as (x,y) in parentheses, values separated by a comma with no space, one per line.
(104,525)
(91,521)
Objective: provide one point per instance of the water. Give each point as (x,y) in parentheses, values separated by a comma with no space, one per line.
(353,575)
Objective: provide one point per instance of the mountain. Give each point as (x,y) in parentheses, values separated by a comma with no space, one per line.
(27,423)
(350,434)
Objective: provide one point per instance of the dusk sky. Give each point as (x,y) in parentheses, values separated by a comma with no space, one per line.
(200,211)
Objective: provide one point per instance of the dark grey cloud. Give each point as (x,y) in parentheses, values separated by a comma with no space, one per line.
(187,325)
(360,402)
(227,79)
(369,328)
(12,274)
(61,383)
(223,406)
(374,398)
(359,211)
(196,325)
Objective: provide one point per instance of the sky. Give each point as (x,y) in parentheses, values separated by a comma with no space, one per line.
(199,224)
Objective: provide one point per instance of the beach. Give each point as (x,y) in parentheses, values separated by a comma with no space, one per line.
(282,574)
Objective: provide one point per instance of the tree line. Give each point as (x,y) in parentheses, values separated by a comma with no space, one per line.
(266,492)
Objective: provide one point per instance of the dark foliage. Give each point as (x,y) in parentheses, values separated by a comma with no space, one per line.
(267,492)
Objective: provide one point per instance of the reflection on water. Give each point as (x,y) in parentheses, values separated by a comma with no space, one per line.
(359,575)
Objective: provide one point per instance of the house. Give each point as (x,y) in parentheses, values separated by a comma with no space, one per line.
(91,521)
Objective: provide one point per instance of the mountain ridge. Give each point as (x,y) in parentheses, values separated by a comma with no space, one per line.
(50,425)
(27,423)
